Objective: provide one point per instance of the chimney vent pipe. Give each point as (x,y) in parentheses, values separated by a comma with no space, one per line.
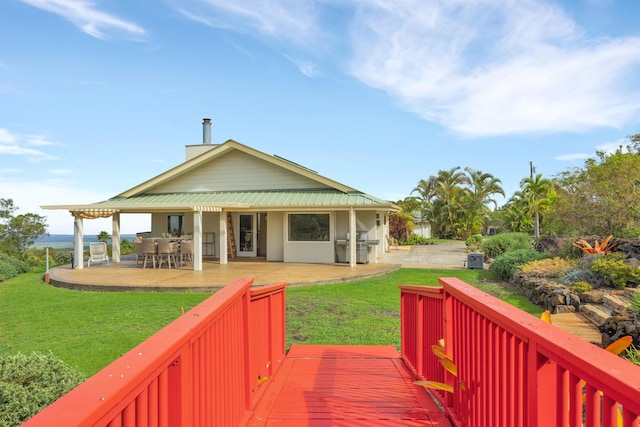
(206,131)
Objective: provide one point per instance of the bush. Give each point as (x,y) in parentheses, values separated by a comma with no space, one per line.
(635,302)
(507,264)
(503,243)
(63,258)
(11,267)
(30,383)
(127,247)
(416,239)
(474,241)
(574,275)
(582,286)
(549,267)
(612,270)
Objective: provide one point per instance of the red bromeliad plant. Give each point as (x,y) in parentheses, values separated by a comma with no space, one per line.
(598,248)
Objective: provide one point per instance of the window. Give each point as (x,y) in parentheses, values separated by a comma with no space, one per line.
(175,225)
(309,227)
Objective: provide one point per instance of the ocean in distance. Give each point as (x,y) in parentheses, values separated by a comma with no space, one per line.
(65,241)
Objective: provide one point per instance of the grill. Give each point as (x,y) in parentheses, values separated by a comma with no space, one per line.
(363,247)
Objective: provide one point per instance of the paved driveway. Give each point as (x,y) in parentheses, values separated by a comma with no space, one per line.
(450,255)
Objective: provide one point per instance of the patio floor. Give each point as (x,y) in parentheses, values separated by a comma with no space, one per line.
(126,276)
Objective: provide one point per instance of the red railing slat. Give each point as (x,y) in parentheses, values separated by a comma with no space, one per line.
(516,369)
(193,372)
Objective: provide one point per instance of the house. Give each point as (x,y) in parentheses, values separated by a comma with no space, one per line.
(238,201)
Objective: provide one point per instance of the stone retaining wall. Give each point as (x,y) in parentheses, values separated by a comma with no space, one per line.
(559,298)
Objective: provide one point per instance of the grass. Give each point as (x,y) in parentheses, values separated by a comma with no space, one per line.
(88,330)
(367,311)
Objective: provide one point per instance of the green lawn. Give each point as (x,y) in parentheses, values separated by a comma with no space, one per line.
(88,330)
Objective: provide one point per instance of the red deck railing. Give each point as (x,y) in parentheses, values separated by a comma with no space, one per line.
(211,366)
(513,369)
(207,368)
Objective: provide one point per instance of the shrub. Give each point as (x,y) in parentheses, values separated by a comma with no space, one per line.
(127,247)
(574,275)
(474,241)
(63,257)
(635,302)
(30,383)
(611,269)
(503,243)
(548,267)
(416,239)
(633,354)
(507,264)
(582,286)
(11,267)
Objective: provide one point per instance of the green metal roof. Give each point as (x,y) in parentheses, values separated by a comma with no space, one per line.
(322,198)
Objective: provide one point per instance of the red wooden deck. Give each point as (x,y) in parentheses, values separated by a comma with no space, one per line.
(319,386)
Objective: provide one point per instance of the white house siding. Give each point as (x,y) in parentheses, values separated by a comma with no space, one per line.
(275,236)
(316,252)
(225,174)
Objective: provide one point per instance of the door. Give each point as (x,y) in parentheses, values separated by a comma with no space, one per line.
(247,235)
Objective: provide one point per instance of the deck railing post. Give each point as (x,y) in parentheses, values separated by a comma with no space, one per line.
(542,389)
(447,313)
(176,389)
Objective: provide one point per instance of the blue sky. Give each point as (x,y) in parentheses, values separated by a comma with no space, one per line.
(99,96)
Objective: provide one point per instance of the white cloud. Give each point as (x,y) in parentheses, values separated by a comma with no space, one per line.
(6,137)
(13,144)
(307,68)
(612,147)
(494,68)
(478,67)
(91,20)
(285,20)
(573,156)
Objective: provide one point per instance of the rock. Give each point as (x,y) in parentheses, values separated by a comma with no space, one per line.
(587,260)
(564,309)
(592,297)
(633,262)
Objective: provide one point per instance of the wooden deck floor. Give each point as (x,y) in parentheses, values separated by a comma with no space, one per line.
(345,386)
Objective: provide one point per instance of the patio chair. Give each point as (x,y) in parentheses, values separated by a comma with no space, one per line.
(186,252)
(139,252)
(97,253)
(148,250)
(167,249)
(392,242)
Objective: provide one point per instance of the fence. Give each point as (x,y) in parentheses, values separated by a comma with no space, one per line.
(513,369)
(207,368)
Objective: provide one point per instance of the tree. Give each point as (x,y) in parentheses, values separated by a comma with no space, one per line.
(539,194)
(18,232)
(457,203)
(602,197)
(401,224)
(103,236)
(478,198)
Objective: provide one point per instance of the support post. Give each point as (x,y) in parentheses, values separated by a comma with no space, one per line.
(197,241)
(223,237)
(352,238)
(78,243)
(115,237)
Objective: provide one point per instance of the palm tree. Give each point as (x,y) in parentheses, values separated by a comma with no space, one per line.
(103,236)
(482,188)
(450,191)
(539,192)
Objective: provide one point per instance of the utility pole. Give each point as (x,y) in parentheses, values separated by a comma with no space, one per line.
(536,226)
